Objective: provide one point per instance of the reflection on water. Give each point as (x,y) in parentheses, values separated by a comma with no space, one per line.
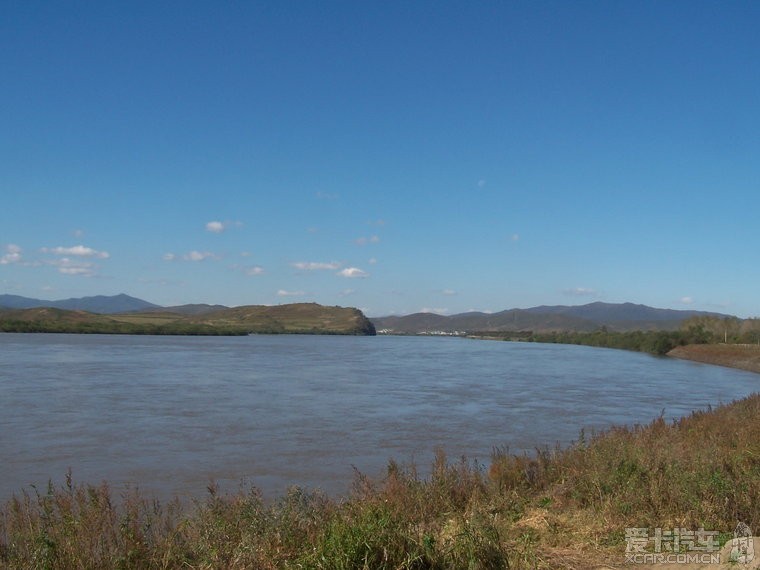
(172,413)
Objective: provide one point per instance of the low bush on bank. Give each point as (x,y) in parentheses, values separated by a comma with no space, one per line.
(556,508)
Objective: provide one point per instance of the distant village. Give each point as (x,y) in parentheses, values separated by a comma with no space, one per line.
(423,333)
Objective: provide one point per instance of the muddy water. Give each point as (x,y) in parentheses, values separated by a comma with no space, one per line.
(171,414)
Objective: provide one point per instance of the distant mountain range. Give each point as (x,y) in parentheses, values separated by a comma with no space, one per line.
(99,304)
(590,317)
(105,305)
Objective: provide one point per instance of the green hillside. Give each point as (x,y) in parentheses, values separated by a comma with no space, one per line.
(300,318)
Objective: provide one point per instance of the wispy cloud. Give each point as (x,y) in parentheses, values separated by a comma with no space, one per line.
(686,300)
(254,270)
(327,196)
(482,183)
(365,240)
(199,256)
(12,254)
(68,266)
(78,251)
(78,233)
(347,292)
(316,265)
(353,273)
(250,270)
(217,227)
(515,237)
(75,260)
(372,261)
(377,223)
(448,292)
(190,256)
(284,293)
(581,292)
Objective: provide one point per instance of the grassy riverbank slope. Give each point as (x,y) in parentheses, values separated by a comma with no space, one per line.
(297,318)
(558,509)
(742,356)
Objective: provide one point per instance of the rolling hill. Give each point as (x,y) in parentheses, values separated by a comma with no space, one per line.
(299,318)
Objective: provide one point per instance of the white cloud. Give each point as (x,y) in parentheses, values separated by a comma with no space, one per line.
(315,265)
(198,256)
(353,272)
(581,292)
(74,260)
(686,300)
(12,254)
(284,293)
(448,292)
(372,261)
(78,233)
(248,269)
(245,254)
(254,270)
(217,227)
(436,311)
(77,250)
(190,256)
(515,237)
(68,266)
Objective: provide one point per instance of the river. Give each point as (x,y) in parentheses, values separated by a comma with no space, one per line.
(171,414)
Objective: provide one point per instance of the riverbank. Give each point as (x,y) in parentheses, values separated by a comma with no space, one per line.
(741,356)
(558,508)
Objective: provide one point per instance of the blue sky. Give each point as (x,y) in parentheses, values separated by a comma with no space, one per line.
(393,156)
